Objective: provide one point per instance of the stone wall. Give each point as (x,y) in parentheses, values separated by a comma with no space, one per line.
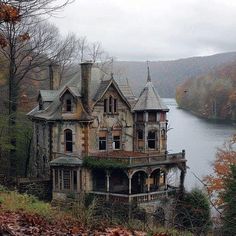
(40,188)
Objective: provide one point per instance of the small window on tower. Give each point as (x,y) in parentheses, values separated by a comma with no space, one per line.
(68,105)
(140,116)
(151,139)
(152,116)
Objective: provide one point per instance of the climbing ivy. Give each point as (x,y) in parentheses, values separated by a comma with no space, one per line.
(95,163)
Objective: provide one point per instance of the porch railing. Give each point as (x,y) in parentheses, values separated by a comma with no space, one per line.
(138,198)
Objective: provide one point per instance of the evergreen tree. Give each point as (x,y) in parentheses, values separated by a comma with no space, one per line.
(229,197)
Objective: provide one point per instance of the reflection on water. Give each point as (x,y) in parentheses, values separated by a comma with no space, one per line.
(200,138)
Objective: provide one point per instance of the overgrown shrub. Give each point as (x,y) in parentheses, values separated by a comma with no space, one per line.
(193,212)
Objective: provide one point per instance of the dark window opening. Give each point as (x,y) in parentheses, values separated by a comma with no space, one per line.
(115,105)
(102,143)
(68,105)
(151,139)
(140,134)
(68,141)
(75,180)
(66,179)
(116,142)
(105,105)
(152,116)
(110,104)
(40,105)
(140,116)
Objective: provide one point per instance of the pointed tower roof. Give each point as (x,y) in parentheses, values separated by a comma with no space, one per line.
(149,99)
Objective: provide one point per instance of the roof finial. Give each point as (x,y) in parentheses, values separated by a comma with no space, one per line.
(148,77)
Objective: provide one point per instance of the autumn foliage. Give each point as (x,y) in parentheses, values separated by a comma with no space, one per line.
(215,182)
(211,96)
(9,13)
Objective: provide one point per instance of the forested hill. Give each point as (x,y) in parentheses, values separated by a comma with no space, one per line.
(166,75)
(211,96)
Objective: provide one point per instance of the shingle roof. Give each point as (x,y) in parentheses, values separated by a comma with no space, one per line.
(48,95)
(149,99)
(100,82)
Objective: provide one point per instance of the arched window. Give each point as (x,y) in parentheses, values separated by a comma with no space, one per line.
(151,139)
(68,105)
(68,140)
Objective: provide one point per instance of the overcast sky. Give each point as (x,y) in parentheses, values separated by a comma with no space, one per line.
(154,29)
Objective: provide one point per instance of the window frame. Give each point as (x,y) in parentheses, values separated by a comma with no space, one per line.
(69,106)
(116,140)
(101,141)
(68,142)
(152,140)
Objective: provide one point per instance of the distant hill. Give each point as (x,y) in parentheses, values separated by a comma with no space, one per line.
(212,96)
(166,75)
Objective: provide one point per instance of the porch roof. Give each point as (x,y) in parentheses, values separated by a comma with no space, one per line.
(66,161)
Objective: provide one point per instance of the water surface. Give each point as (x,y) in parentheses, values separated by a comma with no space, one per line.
(199,137)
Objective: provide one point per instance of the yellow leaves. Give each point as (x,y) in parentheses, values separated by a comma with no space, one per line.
(9,14)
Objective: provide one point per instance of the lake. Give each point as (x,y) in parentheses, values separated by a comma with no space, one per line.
(200,139)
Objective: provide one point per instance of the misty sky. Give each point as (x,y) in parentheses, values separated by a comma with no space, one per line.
(154,29)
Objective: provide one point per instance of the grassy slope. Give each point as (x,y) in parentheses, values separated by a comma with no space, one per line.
(21,214)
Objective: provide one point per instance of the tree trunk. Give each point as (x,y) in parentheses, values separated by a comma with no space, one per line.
(12,112)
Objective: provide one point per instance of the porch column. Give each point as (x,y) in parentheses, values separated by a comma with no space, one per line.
(53,179)
(148,187)
(78,180)
(130,189)
(108,181)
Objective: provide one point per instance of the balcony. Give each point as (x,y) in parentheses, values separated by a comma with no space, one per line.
(137,159)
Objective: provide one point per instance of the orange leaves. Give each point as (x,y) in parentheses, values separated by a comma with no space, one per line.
(9,14)
(224,159)
(24,37)
(3,41)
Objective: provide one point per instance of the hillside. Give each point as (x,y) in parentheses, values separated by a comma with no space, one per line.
(167,75)
(212,96)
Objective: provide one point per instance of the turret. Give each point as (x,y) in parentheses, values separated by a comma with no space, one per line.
(150,120)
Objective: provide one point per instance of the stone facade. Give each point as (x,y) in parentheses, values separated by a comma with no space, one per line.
(94,116)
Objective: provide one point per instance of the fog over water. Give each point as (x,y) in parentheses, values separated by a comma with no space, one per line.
(200,139)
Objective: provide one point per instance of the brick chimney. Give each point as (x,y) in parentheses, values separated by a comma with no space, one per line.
(86,68)
(54,76)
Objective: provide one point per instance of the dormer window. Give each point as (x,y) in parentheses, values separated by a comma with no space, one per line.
(40,104)
(110,105)
(105,105)
(115,105)
(68,105)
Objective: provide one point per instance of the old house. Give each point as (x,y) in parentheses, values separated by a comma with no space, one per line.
(93,135)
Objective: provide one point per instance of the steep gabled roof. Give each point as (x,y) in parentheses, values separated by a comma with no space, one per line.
(104,86)
(74,91)
(47,95)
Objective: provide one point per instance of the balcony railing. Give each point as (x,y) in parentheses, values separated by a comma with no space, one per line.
(145,159)
(138,198)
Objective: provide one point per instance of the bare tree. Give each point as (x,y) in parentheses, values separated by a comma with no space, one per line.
(26,42)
